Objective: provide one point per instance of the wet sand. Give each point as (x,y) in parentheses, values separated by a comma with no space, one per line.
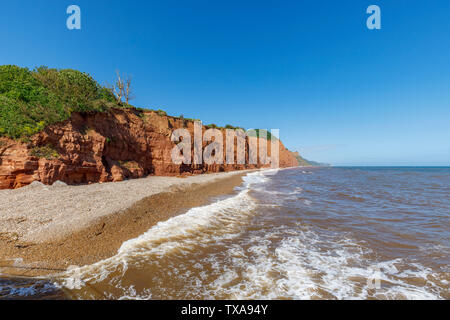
(63,242)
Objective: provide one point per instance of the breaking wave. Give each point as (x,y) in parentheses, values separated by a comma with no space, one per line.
(285,234)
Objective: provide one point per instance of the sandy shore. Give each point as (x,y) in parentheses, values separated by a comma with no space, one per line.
(46,229)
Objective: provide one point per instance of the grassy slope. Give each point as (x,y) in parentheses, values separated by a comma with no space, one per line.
(302,161)
(307,163)
(30,100)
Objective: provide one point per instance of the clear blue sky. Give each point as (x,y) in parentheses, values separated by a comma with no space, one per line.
(338,92)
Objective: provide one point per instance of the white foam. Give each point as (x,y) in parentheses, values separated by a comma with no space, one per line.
(306,272)
(277,262)
(201,225)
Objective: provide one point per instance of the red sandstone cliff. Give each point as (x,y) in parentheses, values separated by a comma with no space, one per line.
(100,147)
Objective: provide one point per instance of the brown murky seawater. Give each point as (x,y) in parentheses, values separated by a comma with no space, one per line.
(304,233)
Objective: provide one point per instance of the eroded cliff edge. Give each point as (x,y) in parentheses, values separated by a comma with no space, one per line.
(105,146)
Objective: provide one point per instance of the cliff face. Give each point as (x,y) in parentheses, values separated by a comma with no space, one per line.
(101,147)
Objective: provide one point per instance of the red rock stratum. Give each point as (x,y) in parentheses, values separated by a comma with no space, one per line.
(100,147)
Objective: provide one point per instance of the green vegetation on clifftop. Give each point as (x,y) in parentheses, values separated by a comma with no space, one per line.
(30,100)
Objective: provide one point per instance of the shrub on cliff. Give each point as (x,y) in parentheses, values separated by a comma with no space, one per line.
(46,152)
(30,100)
(161,113)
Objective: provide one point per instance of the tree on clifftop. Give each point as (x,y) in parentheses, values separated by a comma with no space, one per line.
(122,88)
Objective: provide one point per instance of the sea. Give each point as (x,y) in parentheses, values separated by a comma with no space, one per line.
(300,233)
